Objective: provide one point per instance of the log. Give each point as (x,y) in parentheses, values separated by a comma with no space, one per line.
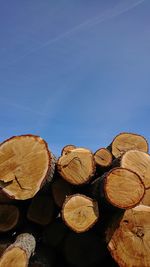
(83,250)
(77,166)
(120,187)
(41,209)
(80,212)
(146,199)
(103,158)
(25,165)
(138,162)
(126,141)
(60,189)
(9,217)
(129,245)
(67,149)
(19,252)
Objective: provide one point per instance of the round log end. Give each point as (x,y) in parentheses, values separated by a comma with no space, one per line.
(14,257)
(129,245)
(80,212)
(146,199)
(123,188)
(67,149)
(138,162)
(25,163)
(103,157)
(77,167)
(126,141)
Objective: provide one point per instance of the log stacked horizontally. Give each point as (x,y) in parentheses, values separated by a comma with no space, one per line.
(83,208)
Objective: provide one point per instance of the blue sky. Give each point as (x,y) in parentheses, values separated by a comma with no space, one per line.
(74,71)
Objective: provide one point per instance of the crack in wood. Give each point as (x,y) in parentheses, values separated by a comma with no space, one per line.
(21,187)
(75,158)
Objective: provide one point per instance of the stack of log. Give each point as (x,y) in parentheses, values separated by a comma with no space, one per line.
(82,209)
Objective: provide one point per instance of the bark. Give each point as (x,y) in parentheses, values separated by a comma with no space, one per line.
(41,210)
(80,212)
(25,165)
(18,254)
(118,188)
(129,245)
(126,141)
(9,217)
(77,166)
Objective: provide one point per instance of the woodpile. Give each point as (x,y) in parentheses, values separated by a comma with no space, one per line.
(82,209)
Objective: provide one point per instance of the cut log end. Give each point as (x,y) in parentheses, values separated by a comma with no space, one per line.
(129,245)
(80,212)
(119,188)
(138,162)
(77,167)
(14,257)
(25,164)
(103,157)
(67,149)
(126,141)
(18,253)
(146,199)
(9,216)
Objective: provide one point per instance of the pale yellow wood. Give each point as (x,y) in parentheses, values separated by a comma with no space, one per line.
(77,166)
(123,188)
(138,162)
(24,164)
(126,141)
(80,212)
(103,157)
(146,199)
(67,149)
(15,257)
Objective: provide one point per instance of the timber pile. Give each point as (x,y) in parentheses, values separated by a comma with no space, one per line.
(84,209)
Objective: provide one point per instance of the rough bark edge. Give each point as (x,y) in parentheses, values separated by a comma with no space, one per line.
(104,166)
(110,146)
(23,245)
(89,177)
(105,192)
(62,213)
(48,174)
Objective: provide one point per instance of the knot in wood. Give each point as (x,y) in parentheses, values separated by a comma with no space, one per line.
(139,231)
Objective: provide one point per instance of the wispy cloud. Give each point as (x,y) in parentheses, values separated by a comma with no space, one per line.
(117,10)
